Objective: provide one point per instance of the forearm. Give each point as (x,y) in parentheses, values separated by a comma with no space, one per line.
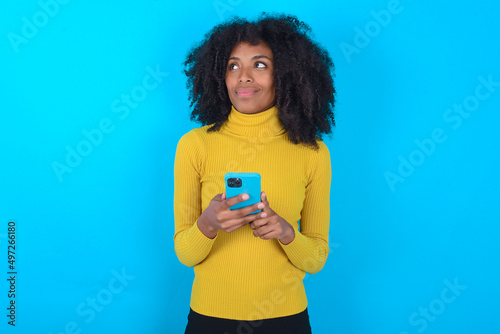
(192,246)
(309,249)
(306,252)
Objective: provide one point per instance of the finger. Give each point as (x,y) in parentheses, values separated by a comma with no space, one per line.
(223,196)
(233,225)
(248,211)
(259,221)
(270,235)
(236,223)
(237,199)
(246,214)
(263,198)
(265,231)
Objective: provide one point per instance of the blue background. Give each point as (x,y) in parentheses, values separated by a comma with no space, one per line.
(398,238)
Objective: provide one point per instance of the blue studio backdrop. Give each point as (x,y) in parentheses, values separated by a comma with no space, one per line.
(93,103)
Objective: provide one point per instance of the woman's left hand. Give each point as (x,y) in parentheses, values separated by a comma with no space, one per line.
(271,226)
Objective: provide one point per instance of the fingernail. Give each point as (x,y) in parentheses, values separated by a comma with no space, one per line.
(244,196)
(264,215)
(261,206)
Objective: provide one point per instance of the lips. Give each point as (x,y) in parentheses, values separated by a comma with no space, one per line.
(244,92)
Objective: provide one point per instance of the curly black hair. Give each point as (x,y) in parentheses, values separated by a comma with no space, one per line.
(303,75)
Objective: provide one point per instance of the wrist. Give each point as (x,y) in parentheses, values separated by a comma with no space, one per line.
(205,228)
(289,235)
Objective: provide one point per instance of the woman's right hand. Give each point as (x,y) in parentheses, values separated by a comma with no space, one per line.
(217,216)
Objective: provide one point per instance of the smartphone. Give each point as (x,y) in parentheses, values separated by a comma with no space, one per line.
(243,183)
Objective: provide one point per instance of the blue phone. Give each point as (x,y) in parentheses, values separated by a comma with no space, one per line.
(239,183)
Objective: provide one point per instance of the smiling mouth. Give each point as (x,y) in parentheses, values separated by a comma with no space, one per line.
(246,92)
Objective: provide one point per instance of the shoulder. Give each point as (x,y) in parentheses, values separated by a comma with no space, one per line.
(191,150)
(191,143)
(319,161)
(321,152)
(194,136)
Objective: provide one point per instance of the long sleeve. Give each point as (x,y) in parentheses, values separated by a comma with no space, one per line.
(235,273)
(309,250)
(191,245)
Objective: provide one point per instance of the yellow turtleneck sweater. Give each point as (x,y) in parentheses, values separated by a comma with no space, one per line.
(239,276)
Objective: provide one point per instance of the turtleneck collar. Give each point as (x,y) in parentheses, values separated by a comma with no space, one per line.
(262,124)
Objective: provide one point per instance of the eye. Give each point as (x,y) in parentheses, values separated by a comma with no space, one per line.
(260,65)
(232,66)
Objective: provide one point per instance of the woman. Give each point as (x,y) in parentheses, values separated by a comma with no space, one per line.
(264,94)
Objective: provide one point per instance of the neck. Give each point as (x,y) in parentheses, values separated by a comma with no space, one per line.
(262,124)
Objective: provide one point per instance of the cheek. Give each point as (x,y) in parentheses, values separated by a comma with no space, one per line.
(228,78)
(228,86)
(270,85)
(271,88)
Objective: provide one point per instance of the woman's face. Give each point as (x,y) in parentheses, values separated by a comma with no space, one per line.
(249,78)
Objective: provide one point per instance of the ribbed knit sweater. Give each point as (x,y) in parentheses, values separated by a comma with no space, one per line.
(237,275)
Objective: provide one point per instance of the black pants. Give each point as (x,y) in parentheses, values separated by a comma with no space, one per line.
(293,324)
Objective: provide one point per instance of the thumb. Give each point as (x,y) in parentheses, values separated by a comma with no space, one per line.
(263,198)
(220,197)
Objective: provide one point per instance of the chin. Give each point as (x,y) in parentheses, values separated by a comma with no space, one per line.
(246,109)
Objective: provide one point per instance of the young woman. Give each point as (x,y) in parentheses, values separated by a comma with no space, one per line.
(264,93)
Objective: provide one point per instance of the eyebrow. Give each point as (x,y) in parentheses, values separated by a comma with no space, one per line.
(253,58)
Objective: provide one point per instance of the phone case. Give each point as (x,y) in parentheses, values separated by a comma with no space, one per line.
(250,184)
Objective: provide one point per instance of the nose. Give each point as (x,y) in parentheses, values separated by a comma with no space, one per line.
(245,75)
